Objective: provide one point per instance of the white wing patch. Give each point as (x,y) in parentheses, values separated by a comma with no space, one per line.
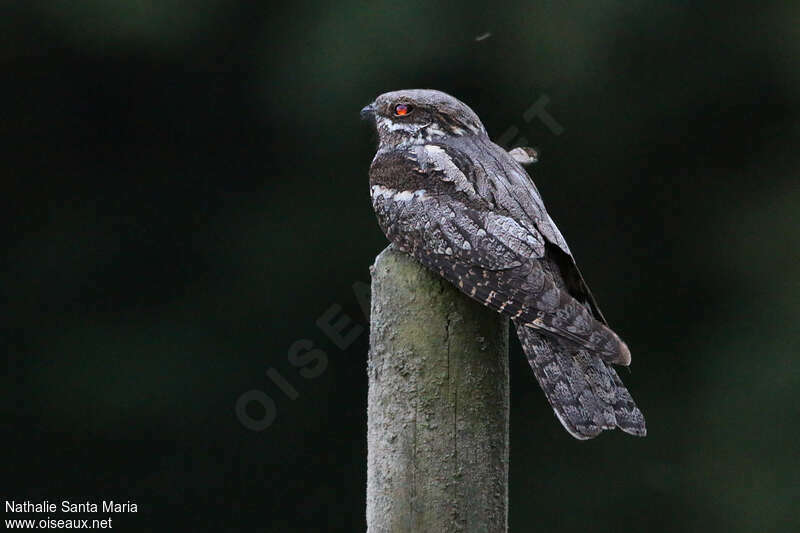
(441,161)
(379,191)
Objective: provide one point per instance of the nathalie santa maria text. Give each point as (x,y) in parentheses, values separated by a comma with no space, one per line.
(105,506)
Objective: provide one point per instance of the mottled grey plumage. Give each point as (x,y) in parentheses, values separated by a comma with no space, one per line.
(465,208)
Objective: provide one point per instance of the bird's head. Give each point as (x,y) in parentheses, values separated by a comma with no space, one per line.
(415,116)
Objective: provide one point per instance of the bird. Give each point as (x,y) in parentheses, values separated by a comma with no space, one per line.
(466,209)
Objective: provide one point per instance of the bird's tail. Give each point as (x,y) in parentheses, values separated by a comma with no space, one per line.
(586,394)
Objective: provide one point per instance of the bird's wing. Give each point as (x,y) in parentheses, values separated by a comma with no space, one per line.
(428,210)
(509,187)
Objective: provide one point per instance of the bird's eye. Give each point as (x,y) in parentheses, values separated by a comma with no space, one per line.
(402,110)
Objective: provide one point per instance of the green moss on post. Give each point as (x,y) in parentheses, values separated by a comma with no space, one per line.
(437,426)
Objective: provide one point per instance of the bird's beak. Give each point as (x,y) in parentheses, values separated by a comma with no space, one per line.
(368,112)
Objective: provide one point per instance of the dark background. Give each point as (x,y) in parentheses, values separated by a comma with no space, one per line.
(185,194)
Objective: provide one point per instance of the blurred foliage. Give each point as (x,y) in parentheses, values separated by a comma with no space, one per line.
(187,195)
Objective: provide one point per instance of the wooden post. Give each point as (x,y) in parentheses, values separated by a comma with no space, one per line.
(437,428)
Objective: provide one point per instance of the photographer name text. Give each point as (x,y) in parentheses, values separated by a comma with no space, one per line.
(66,506)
